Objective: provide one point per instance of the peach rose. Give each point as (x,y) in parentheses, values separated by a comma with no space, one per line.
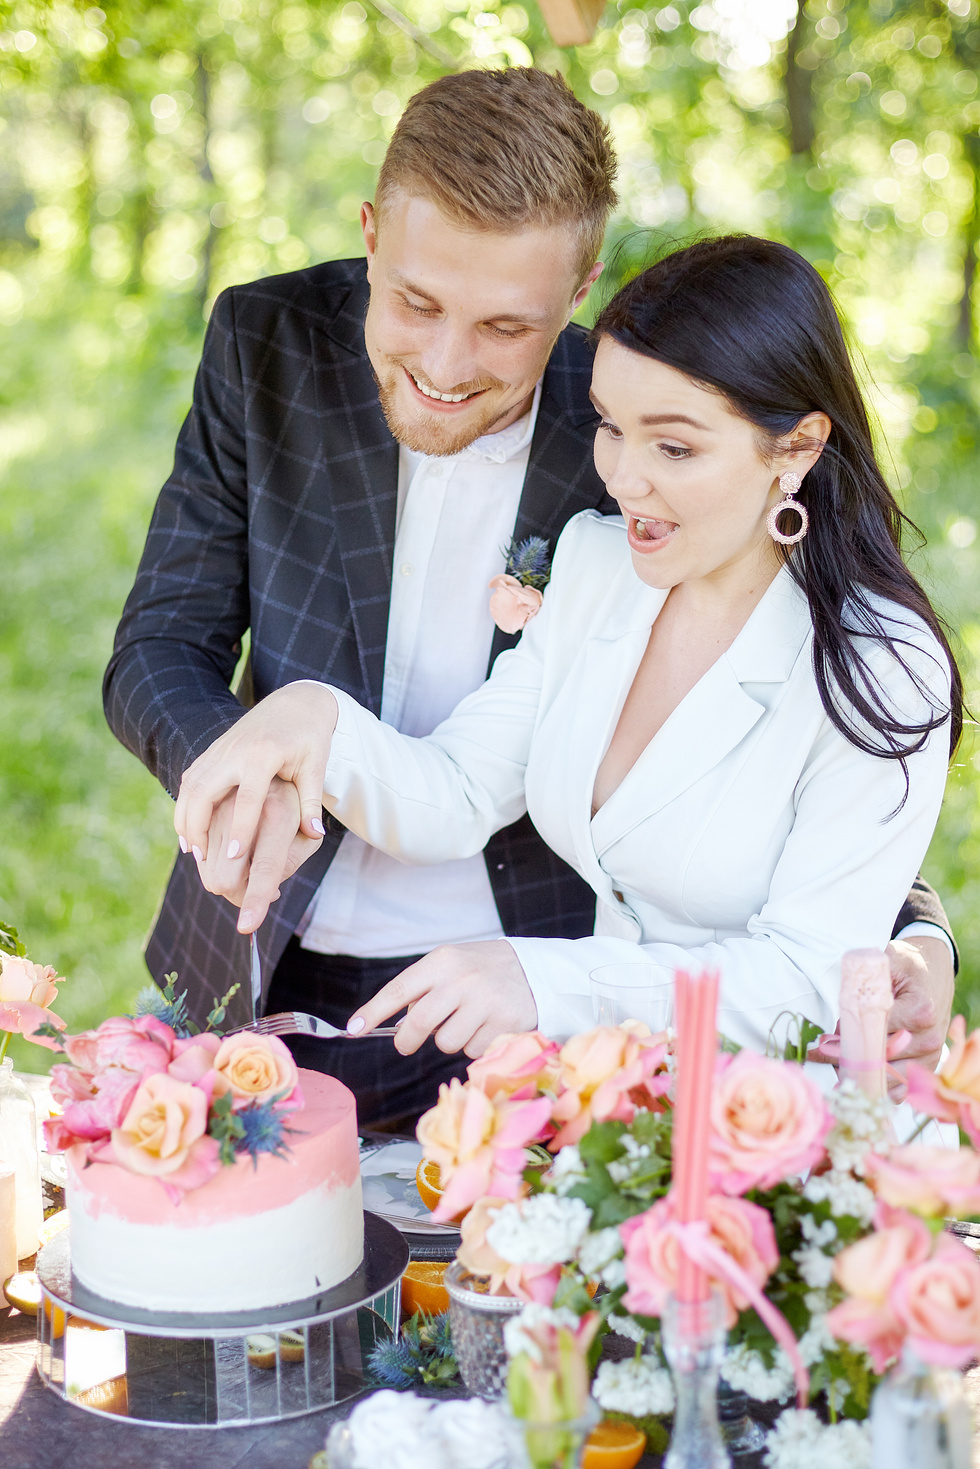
(653,1252)
(606,1073)
(938,1304)
(26,991)
(768,1122)
(517,1066)
(953,1092)
(513,605)
(929,1181)
(527,1282)
(478,1143)
(256,1068)
(164,1134)
(867,1271)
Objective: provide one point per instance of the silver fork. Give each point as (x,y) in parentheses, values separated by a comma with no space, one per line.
(297,1022)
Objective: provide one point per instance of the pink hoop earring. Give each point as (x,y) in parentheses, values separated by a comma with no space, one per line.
(789,483)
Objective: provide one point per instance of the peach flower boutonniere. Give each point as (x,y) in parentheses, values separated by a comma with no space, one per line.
(518,591)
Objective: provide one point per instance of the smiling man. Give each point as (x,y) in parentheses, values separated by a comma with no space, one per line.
(366,440)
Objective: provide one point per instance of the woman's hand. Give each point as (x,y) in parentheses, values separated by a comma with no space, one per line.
(464,994)
(288,735)
(251,881)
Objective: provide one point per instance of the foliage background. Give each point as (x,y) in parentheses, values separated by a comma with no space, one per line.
(151,154)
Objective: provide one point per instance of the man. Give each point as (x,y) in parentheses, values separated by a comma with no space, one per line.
(363,445)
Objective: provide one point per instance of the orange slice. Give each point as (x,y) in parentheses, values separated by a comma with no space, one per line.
(53,1225)
(423,1288)
(429,1184)
(23,1291)
(614,1446)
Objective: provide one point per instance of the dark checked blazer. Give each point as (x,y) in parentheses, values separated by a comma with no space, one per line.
(279,517)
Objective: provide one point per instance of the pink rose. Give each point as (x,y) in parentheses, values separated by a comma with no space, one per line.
(518,1066)
(768,1122)
(867,1271)
(22,980)
(194,1057)
(606,1073)
(164,1134)
(513,605)
(256,1068)
(478,1143)
(653,1252)
(90,1112)
(953,1092)
(526,1282)
(142,1044)
(938,1304)
(929,1181)
(23,1017)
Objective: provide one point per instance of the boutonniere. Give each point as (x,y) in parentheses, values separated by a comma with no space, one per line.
(517,593)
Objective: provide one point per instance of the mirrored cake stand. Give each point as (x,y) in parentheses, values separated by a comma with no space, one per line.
(180,1370)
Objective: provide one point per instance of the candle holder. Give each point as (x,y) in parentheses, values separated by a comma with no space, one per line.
(693,1334)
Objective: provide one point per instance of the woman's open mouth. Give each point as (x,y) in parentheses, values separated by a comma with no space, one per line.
(648,535)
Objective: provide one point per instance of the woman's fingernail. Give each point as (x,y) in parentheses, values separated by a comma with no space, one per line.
(355,1025)
(234,848)
(198,854)
(245,920)
(182,844)
(318,827)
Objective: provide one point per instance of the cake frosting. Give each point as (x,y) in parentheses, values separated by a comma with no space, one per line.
(261,1232)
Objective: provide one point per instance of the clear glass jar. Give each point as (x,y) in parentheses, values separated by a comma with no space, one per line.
(558,1445)
(693,1335)
(476,1320)
(18,1149)
(920,1418)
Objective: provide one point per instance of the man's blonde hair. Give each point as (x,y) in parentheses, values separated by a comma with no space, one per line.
(505,151)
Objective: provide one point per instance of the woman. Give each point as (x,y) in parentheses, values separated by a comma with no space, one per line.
(732,719)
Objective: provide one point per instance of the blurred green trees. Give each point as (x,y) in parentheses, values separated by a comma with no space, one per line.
(151,154)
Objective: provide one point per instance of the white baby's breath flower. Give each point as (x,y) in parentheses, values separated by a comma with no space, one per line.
(541,1230)
(800,1441)
(860,1125)
(816,1268)
(599,1249)
(817,1339)
(845,1194)
(638,1387)
(621,1170)
(517,1328)
(614,1274)
(817,1302)
(745,1371)
(818,1234)
(567,1171)
(626,1326)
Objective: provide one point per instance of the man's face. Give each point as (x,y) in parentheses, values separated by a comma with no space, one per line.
(461,323)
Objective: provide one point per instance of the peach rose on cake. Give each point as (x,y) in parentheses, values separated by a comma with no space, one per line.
(527,1282)
(768,1121)
(256,1068)
(934,1182)
(164,1134)
(517,1066)
(951,1094)
(478,1143)
(194,1057)
(867,1271)
(606,1073)
(653,1252)
(26,991)
(938,1304)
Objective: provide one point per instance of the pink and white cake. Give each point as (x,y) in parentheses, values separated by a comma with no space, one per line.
(256,1234)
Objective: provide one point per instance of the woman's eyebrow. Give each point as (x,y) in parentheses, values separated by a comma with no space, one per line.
(654,420)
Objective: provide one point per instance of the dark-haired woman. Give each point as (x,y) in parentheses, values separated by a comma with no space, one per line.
(733,719)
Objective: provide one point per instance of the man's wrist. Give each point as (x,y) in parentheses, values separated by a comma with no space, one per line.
(924,930)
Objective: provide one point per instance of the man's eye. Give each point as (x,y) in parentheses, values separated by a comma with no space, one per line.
(421,310)
(500,331)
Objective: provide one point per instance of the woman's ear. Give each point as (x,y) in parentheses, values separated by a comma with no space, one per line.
(806,444)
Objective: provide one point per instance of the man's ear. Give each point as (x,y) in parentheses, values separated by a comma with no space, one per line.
(585,288)
(369,229)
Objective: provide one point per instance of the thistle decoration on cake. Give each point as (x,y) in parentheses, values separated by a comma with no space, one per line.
(518,592)
(154,1095)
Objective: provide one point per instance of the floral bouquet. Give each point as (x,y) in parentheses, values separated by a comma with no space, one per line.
(27,991)
(824,1236)
(145,1093)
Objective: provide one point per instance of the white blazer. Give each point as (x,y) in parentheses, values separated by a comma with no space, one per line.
(749,835)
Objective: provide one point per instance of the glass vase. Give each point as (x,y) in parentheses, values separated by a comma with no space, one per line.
(18,1149)
(740,1433)
(476,1321)
(920,1418)
(693,1335)
(558,1445)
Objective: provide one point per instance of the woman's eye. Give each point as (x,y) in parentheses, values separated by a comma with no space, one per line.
(609,428)
(675,451)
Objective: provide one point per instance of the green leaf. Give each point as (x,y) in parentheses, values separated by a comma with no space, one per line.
(9,942)
(603,1142)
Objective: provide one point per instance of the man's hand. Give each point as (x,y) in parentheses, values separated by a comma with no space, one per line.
(252,880)
(923,984)
(464,994)
(288,735)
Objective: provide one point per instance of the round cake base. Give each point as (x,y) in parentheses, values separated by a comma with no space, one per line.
(181,1370)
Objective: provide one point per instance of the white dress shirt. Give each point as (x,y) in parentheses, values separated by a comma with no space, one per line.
(455,520)
(750,835)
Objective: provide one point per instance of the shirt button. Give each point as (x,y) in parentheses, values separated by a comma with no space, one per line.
(406,568)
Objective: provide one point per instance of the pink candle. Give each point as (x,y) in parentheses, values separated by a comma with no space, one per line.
(696,1001)
(865,1000)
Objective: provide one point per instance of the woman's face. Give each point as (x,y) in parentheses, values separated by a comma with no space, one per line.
(685,468)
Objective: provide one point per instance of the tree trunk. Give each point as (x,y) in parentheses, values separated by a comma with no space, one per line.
(203,81)
(799,89)
(965,331)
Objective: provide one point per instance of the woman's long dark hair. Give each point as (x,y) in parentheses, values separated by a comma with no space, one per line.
(753,320)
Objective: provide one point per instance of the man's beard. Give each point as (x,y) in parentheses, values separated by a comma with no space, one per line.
(427,433)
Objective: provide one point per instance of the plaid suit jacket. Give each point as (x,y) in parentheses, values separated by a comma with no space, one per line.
(279,516)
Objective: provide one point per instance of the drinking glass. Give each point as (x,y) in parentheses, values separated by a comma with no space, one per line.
(631,992)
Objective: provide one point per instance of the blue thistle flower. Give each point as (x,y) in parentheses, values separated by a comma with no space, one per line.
(263,1131)
(530,562)
(392,1363)
(166,1005)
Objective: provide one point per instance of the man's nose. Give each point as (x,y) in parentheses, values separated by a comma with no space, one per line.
(450,360)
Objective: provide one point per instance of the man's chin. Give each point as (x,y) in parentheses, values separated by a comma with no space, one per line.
(436,434)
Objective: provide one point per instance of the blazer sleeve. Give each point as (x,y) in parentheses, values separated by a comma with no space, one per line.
(924,905)
(166,689)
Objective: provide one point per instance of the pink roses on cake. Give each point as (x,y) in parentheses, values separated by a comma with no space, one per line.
(257,1068)
(768,1120)
(164,1134)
